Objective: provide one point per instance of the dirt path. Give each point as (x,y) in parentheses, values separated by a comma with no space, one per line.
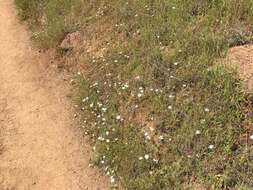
(42,151)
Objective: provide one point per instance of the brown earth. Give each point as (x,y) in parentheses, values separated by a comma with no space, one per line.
(241,59)
(42,150)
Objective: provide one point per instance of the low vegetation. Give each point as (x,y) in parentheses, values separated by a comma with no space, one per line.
(160,110)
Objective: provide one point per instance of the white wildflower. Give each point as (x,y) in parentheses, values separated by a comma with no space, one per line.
(100,138)
(202,121)
(85,99)
(95,84)
(207,110)
(211,147)
(104,109)
(146,156)
(112,179)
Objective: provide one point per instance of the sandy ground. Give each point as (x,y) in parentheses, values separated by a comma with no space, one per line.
(241,59)
(42,148)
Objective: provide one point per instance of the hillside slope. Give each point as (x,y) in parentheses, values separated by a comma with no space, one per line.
(160,112)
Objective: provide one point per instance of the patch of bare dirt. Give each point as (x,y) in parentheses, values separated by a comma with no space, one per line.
(42,148)
(241,59)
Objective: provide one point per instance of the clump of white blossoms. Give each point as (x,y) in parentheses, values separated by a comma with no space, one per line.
(161,137)
(198,132)
(112,179)
(99,104)
(85,99)
(147,136)
(141,92)
(95,84)
(101,138)
(125,86)
(251,137)
(104,109)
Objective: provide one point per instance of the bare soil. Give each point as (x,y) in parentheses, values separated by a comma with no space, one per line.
(241,59)
(41,149)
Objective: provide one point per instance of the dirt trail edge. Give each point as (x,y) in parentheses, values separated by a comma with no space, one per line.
(42,149)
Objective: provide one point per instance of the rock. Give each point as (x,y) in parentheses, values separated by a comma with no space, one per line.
(71,40)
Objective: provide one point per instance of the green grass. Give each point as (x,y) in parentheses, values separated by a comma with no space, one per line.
(160,112)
